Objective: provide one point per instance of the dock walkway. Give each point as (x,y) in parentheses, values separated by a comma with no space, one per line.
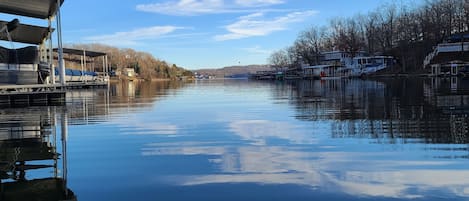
(40,94)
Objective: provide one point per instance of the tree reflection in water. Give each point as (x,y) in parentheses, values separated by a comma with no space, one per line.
(412,110)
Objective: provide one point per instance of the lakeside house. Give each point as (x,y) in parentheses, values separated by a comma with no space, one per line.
(126,73)
(129,72)
(450,57)
(332,65)
(339,58)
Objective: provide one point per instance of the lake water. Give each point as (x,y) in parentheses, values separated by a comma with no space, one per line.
(243,140)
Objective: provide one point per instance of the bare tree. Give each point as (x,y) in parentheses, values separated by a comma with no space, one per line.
(408,32)
(144,63)
(279,59)
(309,43)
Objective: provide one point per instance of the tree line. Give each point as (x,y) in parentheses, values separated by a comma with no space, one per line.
(144,64)
(407,32)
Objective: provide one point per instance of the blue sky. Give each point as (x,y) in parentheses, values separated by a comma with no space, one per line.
(201,33)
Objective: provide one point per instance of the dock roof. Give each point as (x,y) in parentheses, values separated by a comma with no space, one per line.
(80,52)
(24,33)
(42,9)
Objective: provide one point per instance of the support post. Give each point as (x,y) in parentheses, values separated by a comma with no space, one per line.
(50,55)
(84,64)
(60,45)
(82,71)
(54,142)
(107,67)
(64,132)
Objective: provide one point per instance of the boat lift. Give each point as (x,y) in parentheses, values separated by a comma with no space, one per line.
(84,56)
(47,10)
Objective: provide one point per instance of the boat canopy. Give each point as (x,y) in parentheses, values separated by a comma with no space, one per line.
(42,9)
(24,33)
(81,52)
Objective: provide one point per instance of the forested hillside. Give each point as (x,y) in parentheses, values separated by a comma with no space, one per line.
(145,64)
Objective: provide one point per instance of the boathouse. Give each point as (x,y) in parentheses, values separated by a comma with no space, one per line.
(450,56)
(88,69)
(34,35)
(27,75)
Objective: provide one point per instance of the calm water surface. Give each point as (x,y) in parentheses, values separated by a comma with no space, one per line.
(245,140)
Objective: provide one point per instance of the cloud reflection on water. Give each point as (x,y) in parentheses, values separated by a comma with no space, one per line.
(357,173)
(355,141)
(258,131)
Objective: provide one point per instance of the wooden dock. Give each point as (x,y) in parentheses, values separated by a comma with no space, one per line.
(40,94)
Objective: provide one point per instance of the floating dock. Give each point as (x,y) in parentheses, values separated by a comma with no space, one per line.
(40,94)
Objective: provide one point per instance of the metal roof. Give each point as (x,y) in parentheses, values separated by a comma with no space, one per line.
(42,9)
(80,52)
(26,33)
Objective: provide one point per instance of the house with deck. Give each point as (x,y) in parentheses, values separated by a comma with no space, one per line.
(449,57)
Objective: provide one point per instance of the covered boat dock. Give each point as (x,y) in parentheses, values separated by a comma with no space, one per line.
(86,58)
(29,77)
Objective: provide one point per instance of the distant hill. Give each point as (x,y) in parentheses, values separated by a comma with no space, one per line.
(233,70)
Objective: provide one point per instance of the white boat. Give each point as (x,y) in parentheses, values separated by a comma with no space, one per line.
(367,65)
(339,64)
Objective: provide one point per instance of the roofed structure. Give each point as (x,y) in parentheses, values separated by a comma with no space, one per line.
(79,52)
(42,9)
(29,34)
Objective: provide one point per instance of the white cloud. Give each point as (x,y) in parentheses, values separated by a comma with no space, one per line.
(199,7)
(257,3)
(184,7)
(132,37)
(257,25)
